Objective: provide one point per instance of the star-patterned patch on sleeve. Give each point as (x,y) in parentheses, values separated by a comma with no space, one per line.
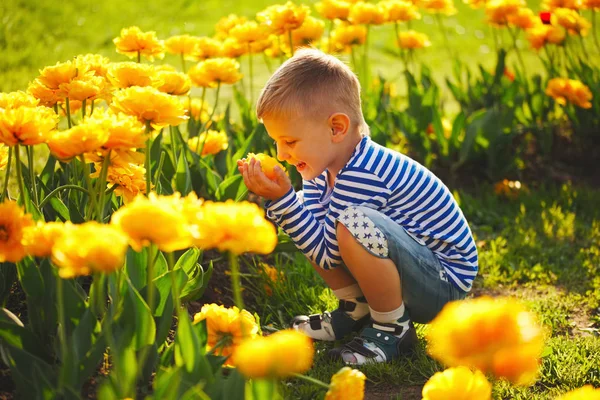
(365,231)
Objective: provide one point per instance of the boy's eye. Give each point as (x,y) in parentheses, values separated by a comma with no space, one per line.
(290,142)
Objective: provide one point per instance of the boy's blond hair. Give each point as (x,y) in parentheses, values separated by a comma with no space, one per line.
(312,84)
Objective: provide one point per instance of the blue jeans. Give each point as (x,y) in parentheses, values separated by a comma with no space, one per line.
(425,288)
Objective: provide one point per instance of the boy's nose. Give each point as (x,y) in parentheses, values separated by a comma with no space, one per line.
(282,155)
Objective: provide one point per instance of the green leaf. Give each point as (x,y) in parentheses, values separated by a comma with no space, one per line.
(243,150)
(474,126)
(145,328)
(263,389)
(187,261)
(183,179)
(457,128)
(60,208)
(231,188)
(135,266)
(235,386)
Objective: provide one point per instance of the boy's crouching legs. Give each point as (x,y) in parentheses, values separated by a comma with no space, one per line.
(391,332)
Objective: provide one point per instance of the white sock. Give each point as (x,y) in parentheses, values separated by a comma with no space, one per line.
(399,316)
(354,294)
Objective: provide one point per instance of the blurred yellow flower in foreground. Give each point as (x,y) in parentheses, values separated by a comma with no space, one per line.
(133,42)
(499,12)
(209,142)
(438,6)
(235,227)
(586,392)
(457,383)
(539,35)
(227,328)
(173,82)
(267,164)
(13,221)
(524,18)
(282,18)
(150,106)
(17,99)
(334,9)
(413,40)
(27,125)
(154,219)
(184,45)
(3,156)
(215,71)
(89,247)
(572,90)
(399,10)
(275,356)
(38,240)
(126,74)
(125,132)
(495,335)
(593,5)
(347,384)
(366,13)
(572,21)
(226,24)
(87,137)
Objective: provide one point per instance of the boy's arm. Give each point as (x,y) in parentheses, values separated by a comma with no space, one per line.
(309,196)
(318,240)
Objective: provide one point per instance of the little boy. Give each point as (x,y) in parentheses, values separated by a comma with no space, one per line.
(384,232)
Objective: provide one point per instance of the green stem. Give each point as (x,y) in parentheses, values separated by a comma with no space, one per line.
(267,62)
(30,159)
(353,56)
(202,98)
(139,57)
(62,332)
(220,343)
(68,112)
(58,189)
(365,60)
(88,182)
(446,40)
(7,176)
(329,36)
(594,33)
(251,74)
(147,158)
(183,63)
(235,281)
(20,175)
(398,38)
(150,277)
(280,49)
(92,107)
(83,109)
(159,171)
(213,110)
(101,185)
(173,146)
(514,35)
(174,288)
(311,380)
(291,43)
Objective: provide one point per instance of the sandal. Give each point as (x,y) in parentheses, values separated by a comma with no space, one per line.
(330,326)
(378,343)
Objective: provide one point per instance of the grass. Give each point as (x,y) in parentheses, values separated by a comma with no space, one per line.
(542,248)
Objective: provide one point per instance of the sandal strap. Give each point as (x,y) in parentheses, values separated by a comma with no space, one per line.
(390,328)
(347,306)
(357,345)
(315,321)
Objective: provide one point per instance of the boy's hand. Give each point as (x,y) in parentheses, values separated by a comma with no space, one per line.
(257,182)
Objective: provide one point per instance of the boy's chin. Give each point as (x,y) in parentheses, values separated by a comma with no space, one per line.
(308,173)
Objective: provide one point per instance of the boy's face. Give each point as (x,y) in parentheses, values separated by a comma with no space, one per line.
(305,143)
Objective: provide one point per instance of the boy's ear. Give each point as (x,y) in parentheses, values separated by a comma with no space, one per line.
(339,125)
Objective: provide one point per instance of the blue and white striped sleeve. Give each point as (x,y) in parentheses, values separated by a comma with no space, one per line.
(317,240)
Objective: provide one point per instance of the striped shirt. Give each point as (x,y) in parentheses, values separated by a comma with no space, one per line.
(396,186)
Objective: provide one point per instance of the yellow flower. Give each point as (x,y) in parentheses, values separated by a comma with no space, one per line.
(334,9)
(150,106)
(366,13)
(174,83)
(586,392)
(275,356)
(346,36)
(347,384)
(133,42)
(200,112)
(273,275)
(27,125)
(495,335)
(282,18)
(260,46)
(267,164)
(524,18)
(311,30)
(125,131)
(53,76)
(89,247)
(399,10)
(84,87)
(13,221)
(457,383)
(499,12)
(94,62)
(572,90)
(231,48)
(126,74)
(551,5)
(225,24)
(182,45)
(154,219)
(47,97)
(476,3)
(591,5)
(206,47)
(572,21)
(539,35)
(413,40)
(235,227)
(438,6)
(214,142)
(38,240)
(129,178)
(227,328)
(3,156)
(248,33)
(509,189)
(17,99)
(214,71)
(84,138)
